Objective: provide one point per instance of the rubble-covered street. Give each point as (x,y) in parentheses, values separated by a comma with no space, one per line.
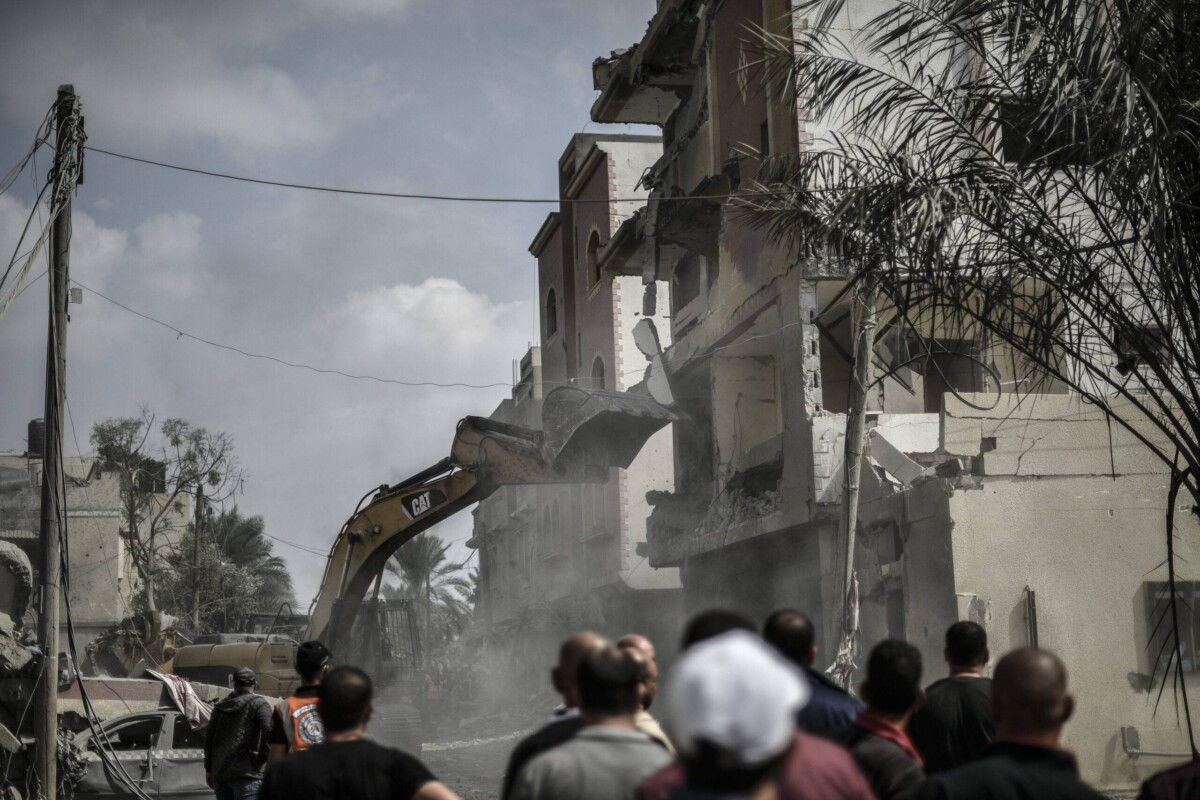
(473,768)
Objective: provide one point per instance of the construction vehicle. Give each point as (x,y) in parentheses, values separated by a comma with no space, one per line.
(585,434)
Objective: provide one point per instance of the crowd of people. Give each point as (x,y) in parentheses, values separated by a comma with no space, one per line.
(743,714)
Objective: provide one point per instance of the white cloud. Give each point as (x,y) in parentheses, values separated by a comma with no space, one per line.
(318,442)
(166,254)
(437,327)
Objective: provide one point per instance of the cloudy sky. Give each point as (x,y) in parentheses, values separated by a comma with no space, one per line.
(442,96)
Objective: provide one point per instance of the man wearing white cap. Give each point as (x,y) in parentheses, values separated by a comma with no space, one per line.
(731,705)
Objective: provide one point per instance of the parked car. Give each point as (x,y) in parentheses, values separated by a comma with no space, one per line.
(158,751)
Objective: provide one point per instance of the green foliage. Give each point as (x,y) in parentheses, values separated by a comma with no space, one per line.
(239,574)
(436,587)
(229,591)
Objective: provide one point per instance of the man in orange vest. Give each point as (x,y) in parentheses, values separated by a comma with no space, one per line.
(295,724)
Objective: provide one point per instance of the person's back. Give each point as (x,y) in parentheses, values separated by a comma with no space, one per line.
(609,756)
(814,768)
(347,765)
(955,724)
(877,738)
(599,762)
(295,724)
(354,770)
(565,679)
(732,703)
(829,708)
(1030,705)
(235,747)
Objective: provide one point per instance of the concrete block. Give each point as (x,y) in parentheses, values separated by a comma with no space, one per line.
(910,433)
(961,437)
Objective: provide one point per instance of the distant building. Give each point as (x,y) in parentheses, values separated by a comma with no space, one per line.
(103,579)
(554,559)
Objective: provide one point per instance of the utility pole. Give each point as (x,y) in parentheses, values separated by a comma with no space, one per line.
(196,557)
(68,150)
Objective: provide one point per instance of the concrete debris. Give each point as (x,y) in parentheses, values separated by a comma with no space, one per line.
(898,465)
(16,587)
(737,506)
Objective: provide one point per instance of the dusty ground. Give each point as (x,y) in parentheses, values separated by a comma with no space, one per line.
(472,768)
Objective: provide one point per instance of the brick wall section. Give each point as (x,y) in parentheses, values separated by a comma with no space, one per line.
(613,192)
(618,367)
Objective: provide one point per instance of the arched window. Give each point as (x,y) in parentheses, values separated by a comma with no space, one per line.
(551,313)
(598,373)
(593,258)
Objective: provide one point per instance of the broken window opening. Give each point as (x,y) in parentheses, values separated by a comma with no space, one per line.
(1158,618)
(1139,347)
(685,282)
(950,366)
(593,258)
(551,313)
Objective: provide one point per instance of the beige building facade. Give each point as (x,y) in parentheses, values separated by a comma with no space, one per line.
(556,559)
(1035,517)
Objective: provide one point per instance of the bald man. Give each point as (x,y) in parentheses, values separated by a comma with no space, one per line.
(642,650)
(1030,706)
(567,722)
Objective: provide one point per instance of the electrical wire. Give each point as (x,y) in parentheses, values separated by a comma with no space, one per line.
(39,139)
(295,364)
(451,198)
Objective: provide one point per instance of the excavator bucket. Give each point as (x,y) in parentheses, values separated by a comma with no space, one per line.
(589,431)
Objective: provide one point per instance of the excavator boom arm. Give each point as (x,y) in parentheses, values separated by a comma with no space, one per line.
(588,433)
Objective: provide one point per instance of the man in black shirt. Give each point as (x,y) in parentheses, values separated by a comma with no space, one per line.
(1030,705)
(347,765)
(955,724)
(877,737)
(566,722)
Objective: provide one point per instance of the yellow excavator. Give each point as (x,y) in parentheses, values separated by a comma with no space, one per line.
(585,433)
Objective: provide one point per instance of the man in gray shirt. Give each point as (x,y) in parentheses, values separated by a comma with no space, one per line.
(609,757)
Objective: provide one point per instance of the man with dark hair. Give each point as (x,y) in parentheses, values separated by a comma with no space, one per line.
(609,757)
(565,678)
(347,764)
(876,738)
(712,623)
(235,742)
(830,708)
(1030,705)
(955,724)
(295,724)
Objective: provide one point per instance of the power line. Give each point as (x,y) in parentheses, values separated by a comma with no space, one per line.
(294,364)
(450,198)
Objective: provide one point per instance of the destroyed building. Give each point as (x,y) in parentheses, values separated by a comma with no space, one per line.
(1029,513)
(103,579)
(557,558)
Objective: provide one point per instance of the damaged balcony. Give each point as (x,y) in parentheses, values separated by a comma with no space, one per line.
(645,83)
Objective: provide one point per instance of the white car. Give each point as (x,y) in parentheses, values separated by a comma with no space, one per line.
(157,750)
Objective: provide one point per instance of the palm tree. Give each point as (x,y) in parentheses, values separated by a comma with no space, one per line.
(243,541)
(435,586)
(1023,175)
